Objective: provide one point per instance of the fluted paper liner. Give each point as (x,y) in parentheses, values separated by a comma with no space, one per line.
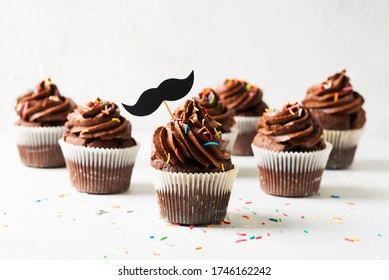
(193,198)
(99,170)
(292,174)
(38,146)
(230,137)
(247,127)
(344,143)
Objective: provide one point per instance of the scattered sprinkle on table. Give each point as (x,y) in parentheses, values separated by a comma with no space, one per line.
(191,227)
(163,238)
(240,240)
(61,195)
(198,248)
(116,206)
(252,237)
(38,200)
(273,220)
(305,231)
(379,234)
(241,234)
(248,202)
(151,236)
(352,239)
(335,196)
(156,254)
(246,217)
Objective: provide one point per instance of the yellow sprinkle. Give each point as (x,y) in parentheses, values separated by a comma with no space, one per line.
(199,248)
(222,166)
(84,131)
(115,120)
(156,254)
(249,86)
(196,109)
(267,110)
(217,133)
(48,82)
(219,124)
(61,195)
(168,158)
(105,112)
(317,217)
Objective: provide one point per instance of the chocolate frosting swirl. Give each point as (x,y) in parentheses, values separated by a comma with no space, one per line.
(213,106)
(292,129)
(191,143)
(335,104)
(98,124)
(43,106)
(243,98)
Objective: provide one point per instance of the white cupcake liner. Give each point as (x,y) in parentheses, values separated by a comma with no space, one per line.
(230,137)
(343,139)
(38,136)
(38,146)
(193,198)
(291,173)
(99,170)
(99,157)
(247,124)
(344,143)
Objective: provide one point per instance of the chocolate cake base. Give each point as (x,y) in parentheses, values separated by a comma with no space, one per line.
(242,146)
(341,158)
(99,180)
(283,183)
(194,207)
(44,156)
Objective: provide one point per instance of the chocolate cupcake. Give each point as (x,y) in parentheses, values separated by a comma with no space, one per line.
(245,100)
(212,105)
(99,149)
(338,108)
(290,152)
(42,113)
(193,174)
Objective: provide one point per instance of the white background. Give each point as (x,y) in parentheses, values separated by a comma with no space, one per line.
(118,49)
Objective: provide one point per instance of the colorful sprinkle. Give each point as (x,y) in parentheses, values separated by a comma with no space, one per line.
(240,240)
(352,239)
(115,206)
(252,237)
(267,110)
(335,196)
(61,195)
(347,88)
(168,158)
(227,223)
(241,234)
(115,120)
(191,227)
(336,96)
(300,112)
(216,132)
(379,234)
(196,109)
(186,128)
(198,248)
(222,165)
(210,143)
(305,231)
(258,237)
(105,112)
(156,254)
(163,238)
(219,124)
(201,129)
(248,202)
(285,215)
(38,200)
(302,217)
(246,217)
(273,220)
(152,236)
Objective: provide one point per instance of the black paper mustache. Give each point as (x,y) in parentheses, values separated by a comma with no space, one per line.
(151,99)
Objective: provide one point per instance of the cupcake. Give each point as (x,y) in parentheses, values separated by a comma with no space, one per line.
(42,113)
(338,108)
(99,149)
(290,152)
(245,100)
(193,174)
(224,117)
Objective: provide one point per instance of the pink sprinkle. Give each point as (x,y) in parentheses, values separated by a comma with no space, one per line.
(191,226)
(302,217)
(248,202)
(241,234)
(258,237)
(25,108)
(347,88)
(348,239)
(240,240)
(268,234)
(285,214)
(320,86)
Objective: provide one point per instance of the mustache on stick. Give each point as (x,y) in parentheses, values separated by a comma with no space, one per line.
(151,99)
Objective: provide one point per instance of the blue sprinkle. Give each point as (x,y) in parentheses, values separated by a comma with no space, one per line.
(38,200)
(379,234)
(151,236)
(335,196)
(273,220)
(211,143)
(305,231)
(252,237)
(186,128)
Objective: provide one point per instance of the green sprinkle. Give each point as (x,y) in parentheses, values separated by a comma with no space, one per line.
(335,196)
(252,237)
(273,220)
(305,231)
(163,238)
(38,200)
(379,234)
(210,143)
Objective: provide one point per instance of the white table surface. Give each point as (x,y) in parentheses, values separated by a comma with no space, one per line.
(43,217)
